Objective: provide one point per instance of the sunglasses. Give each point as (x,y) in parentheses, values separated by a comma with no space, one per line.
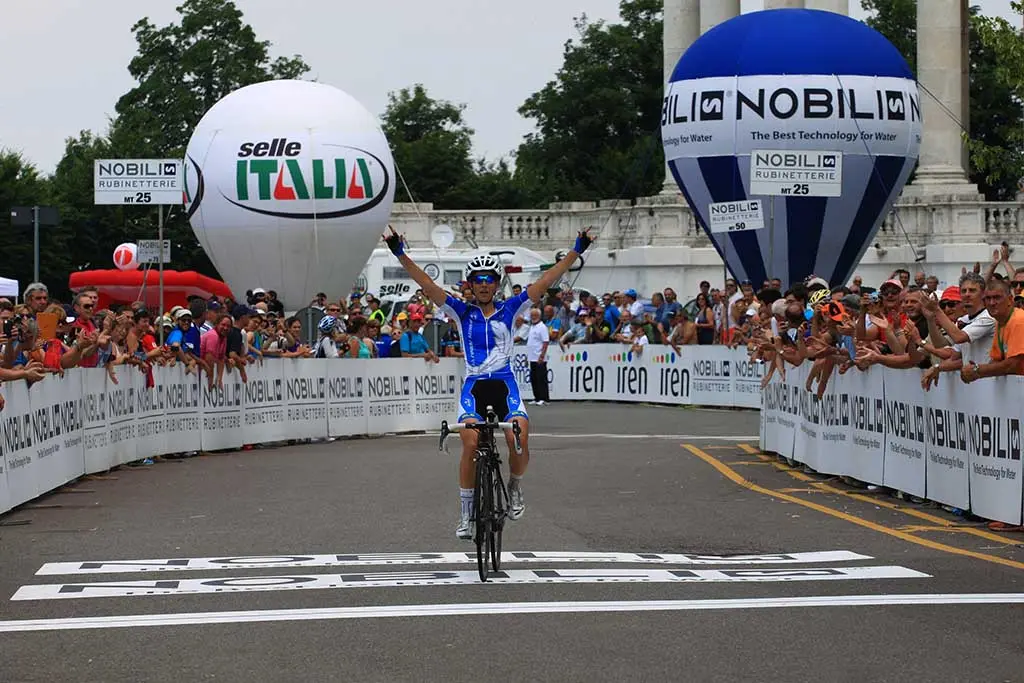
(1017,285)
(484,279)
(334,310)
(947,304)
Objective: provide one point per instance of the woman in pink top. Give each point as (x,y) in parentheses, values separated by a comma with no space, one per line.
(213,348)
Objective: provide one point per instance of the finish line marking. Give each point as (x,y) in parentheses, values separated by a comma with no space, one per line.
(475,609)
(378,559)
(244,584)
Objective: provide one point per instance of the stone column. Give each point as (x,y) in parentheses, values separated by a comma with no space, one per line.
(780,4)
(837,6)
(941,70)
(682,27)
(714,12)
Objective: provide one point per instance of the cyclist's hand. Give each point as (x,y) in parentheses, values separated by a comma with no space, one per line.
(583,241)
(395,242)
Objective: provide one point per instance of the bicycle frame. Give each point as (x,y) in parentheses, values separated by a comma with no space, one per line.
(490,497)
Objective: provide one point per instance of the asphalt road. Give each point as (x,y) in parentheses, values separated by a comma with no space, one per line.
(894,597)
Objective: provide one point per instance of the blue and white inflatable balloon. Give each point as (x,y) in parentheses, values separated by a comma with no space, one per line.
(805,122)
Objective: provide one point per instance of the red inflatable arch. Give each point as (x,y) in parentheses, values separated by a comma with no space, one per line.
(126,286)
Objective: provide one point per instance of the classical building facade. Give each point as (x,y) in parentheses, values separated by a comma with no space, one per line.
(939,223)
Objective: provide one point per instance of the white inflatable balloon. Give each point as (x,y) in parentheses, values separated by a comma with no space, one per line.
(289,186)
(126,256)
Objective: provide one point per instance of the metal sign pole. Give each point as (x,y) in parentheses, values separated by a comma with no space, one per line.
(160,237)
(35,243)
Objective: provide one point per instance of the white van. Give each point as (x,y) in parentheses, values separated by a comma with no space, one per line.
(385,277)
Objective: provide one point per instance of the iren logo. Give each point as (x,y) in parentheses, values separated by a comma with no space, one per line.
(331,182)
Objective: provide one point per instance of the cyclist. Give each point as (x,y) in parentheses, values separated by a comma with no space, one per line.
(486,330)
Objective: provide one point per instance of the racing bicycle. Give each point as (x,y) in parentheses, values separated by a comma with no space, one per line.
(490,497)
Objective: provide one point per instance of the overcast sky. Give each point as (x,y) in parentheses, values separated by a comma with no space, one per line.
(66,60)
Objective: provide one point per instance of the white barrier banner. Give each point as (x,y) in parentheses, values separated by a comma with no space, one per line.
(710,375)
(389,395)
(181,399)
(904,417)
(223,408)
(808,445)
(521,370)
(781,410)
(43,437)
(16,439)
(946,467)
(264,420)
(347,397)
(865,456)
(436,388)
(5,494)
(99,453)
(150,436)
(305,398)
(994,447)
(960,444)
(834,429)
(746,381)
(121,413)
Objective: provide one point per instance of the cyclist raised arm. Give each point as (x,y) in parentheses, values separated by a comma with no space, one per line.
(432,290)
(549,277)
(486,330)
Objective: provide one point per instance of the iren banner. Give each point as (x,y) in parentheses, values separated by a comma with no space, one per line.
(698,375)
(958,444)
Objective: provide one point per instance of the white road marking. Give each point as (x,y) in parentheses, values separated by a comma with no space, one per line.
(238,584)
(382,559)
(503,608)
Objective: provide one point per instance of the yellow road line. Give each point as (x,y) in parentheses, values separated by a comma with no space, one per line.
(796,474)
(916,513)
(735,477)
(749,449)
(748,462)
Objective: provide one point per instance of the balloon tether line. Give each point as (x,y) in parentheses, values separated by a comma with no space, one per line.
(877,176)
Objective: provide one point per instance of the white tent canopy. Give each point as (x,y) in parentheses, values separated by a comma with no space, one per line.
(9,287)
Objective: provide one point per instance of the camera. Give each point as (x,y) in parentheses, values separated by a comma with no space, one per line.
(11,322)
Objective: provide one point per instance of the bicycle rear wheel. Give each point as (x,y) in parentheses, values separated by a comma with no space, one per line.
(483,506)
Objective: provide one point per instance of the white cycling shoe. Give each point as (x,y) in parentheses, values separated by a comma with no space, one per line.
(516,506)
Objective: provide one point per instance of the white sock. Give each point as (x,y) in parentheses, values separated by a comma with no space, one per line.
(466,501)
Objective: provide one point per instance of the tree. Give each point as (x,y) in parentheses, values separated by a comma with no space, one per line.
(994,129)
(183,69)
(431,144)
(599,120)
(997,150)
(21,185)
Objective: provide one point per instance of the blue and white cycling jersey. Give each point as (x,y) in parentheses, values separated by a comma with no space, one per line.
(487,342)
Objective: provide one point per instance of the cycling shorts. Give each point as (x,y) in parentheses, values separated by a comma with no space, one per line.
(500,394)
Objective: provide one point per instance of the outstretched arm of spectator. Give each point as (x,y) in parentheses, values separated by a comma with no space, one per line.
(32,372)
(938,317)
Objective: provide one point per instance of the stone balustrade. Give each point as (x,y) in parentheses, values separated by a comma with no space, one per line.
(668,221)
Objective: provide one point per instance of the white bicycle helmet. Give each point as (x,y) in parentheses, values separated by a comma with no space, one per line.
(485,263)
(327,323)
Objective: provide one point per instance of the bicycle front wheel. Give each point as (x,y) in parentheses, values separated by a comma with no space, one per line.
(500,499)
(483,506)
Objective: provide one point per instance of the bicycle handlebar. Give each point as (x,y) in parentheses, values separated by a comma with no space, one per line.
(479,426)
